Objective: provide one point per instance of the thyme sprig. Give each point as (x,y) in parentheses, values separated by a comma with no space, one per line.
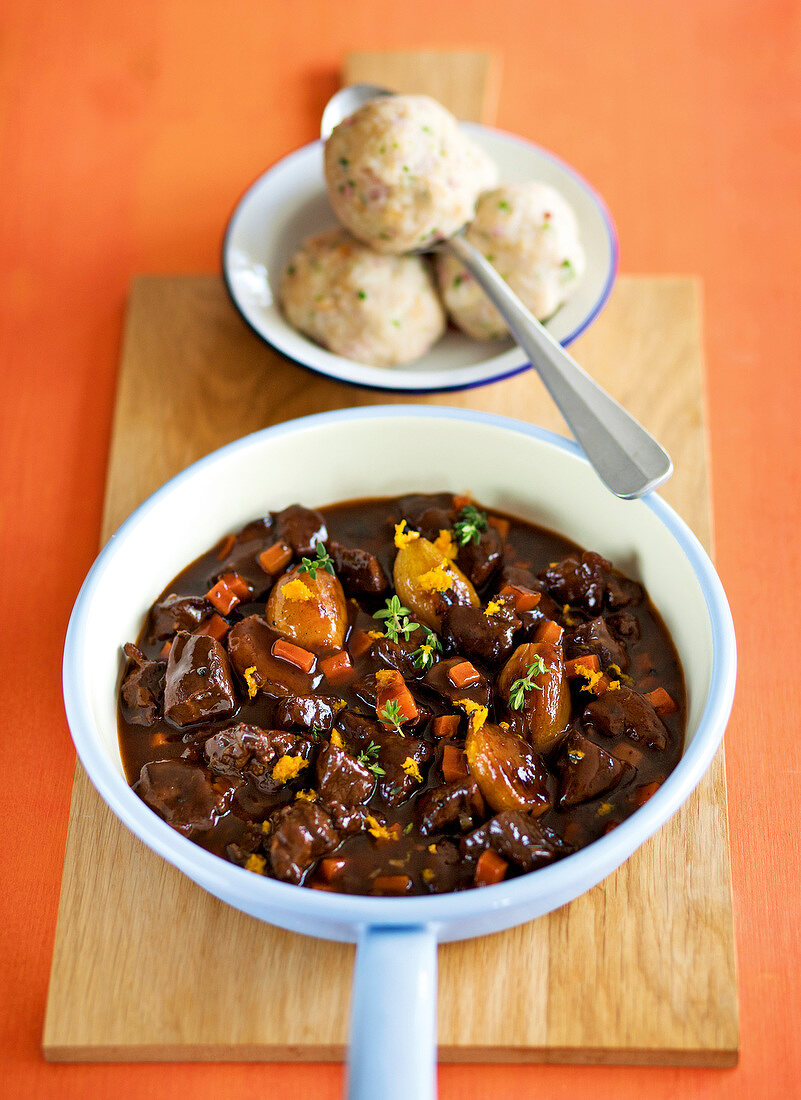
(322,561)
(390,715)
(369,759)
(396,620)
(469,525)
(517,692)
(424,656)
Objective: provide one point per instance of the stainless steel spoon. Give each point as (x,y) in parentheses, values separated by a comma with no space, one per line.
(625,456)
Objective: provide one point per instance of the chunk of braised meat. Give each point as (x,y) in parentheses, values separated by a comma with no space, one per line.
(580,581)
(453,803)
(250,644)
(624,626)
(400,757)
(299,527)
(400,654)
(341,778)
(142,688)
(445,863)
(198,683)
(301,834)
(440,680)
(519,838)
(175,613)
(594,637)
(621,591)
(244,748)
(625,713)
(586,770)
(479,561)
(347,819)
(181,794)
(479,636)
(429,514)
(307,711)
(357,729)
(359,571)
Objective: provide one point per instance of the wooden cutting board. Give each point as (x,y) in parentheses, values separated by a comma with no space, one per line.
(148,966)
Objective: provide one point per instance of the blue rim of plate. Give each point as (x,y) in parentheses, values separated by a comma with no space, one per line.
(595,309)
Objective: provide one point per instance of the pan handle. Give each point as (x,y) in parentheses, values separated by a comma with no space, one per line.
(393,1021)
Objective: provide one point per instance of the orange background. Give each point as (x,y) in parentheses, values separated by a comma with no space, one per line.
(127,133)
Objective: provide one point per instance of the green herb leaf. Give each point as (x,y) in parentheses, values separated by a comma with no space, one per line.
(469,525)
(390,714)
(322,561)
(517,692)
(397,620)
(424,657)
(369,759)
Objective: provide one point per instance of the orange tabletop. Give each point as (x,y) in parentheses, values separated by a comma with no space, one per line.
(127,133)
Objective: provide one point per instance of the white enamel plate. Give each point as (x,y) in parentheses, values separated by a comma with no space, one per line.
(288,203)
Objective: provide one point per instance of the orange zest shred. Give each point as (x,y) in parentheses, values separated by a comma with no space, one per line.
(376,829)
(251,681)
(412,770)
(289,767)
(402,537)
(256,863)
(592,678)
(336,739)
(475,712)
(385,676)
(444,543)
(492,608)
(306,796)
(296,590)
(438,579)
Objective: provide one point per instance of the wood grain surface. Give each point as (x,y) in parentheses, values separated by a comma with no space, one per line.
(465,81)
(149,967)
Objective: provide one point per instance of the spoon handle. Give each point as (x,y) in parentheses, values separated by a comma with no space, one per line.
(625,456)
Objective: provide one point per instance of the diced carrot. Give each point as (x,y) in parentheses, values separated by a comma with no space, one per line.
(300,658)
(463,675)
(591,663)
(454,764)
(226,546)
(460,502)
(445,725)
(222,597)
(662,702)
(323,886)
(331,868)
(523,599)
(215,627)
(490,868)
(337,668)
(164,652)
(237,585)
(549,631)
(501,525)
(359,643)
(275,557)
(395,688)
(392,884)
(642,794)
